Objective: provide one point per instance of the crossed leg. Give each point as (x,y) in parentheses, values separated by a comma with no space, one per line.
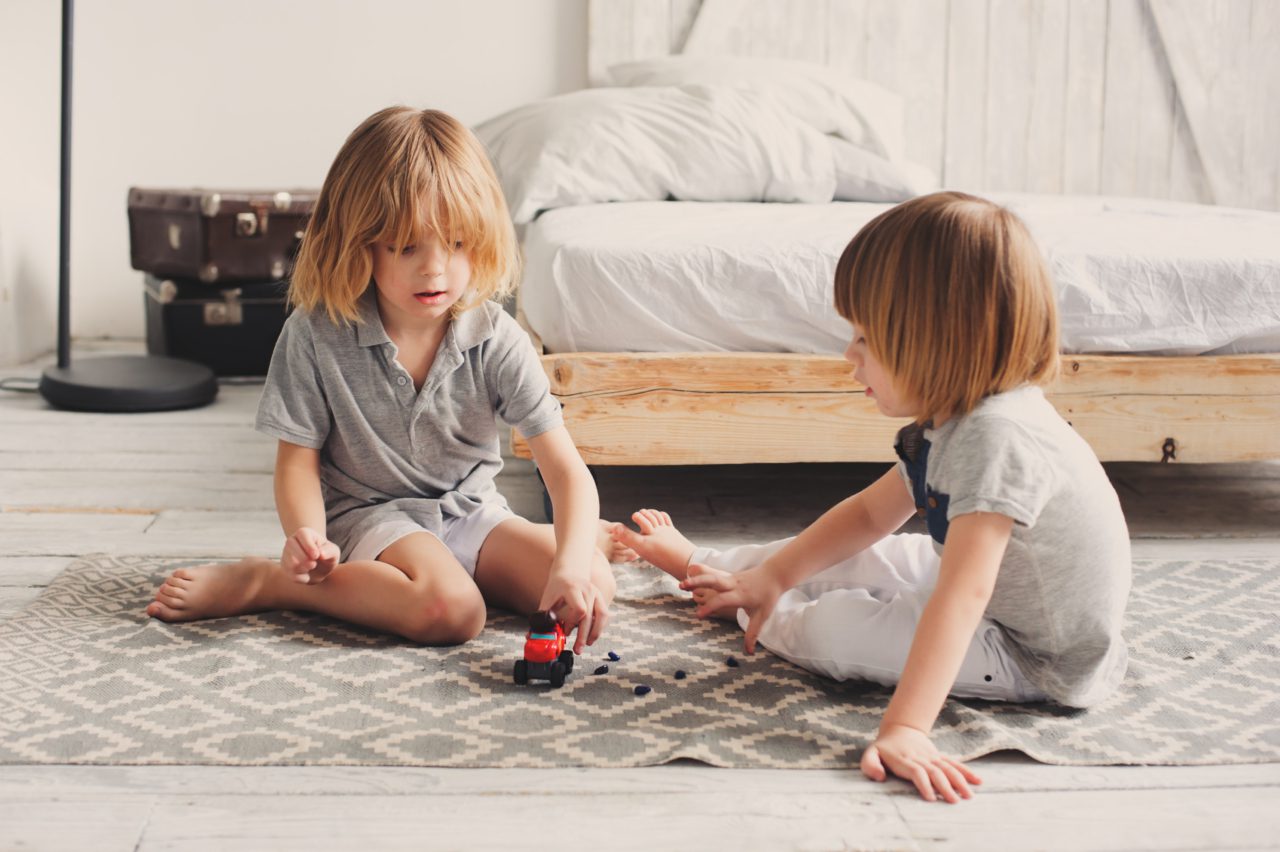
(415,589)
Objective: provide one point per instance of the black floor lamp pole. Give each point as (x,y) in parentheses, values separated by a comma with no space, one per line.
(115,383)
(64,197)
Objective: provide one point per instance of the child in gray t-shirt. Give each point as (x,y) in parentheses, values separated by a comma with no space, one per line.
(384,393)
(1018,591)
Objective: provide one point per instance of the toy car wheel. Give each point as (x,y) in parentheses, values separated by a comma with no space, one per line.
(521,673)
(566,657)
(557,674)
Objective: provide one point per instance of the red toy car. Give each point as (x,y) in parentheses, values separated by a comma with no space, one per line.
(545,657)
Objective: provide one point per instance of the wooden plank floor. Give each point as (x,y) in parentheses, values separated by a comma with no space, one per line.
(198,483)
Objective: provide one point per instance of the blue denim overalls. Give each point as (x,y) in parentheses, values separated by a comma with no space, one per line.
(912,447)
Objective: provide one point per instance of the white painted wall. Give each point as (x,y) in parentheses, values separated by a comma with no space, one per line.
(230,93)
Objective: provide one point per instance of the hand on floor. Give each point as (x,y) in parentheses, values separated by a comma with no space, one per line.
(911,755)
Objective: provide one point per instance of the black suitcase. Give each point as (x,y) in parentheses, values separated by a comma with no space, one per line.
(232,330)
(217,236)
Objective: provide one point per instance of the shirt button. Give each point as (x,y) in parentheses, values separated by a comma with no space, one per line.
(401,381)
(933,502)
(920,511)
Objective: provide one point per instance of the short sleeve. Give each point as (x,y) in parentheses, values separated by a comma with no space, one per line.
(995,466)
(293,406)
(518,386)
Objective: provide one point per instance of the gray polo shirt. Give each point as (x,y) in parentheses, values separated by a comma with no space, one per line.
(389,452)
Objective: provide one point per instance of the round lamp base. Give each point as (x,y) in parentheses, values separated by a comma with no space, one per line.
(129,383)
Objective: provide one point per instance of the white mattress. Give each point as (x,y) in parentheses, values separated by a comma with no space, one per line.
(1133,275)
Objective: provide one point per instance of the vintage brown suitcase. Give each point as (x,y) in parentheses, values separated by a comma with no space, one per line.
(217,236)
(231,329)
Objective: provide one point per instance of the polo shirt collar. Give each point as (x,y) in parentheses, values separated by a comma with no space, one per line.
(369,329)
(474,327)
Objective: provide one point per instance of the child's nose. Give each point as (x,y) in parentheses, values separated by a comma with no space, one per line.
(433,262)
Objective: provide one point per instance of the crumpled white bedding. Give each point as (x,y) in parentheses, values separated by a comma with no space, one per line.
(1133,275)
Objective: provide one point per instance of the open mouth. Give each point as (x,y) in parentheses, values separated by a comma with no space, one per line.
(428,297)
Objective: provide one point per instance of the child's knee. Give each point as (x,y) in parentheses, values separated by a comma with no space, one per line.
(448,617)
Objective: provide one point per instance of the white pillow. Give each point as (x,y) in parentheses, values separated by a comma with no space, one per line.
(864,176)
(859,111)
(690,143)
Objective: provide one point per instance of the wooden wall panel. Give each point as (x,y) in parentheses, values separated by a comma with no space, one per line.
(965,129)
(782,29)
(1010,90)
(1046,125)
(848,36)
(621,30)
(1085,89)
(1137,124)
(906,52)
(1162,98)
(1262,121)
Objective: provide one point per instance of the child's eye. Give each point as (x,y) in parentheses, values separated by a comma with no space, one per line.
(457,245)
(408,249)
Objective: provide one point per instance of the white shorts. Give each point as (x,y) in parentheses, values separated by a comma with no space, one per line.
(463,536)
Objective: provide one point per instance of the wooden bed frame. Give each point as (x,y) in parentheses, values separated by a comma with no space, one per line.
(732,408)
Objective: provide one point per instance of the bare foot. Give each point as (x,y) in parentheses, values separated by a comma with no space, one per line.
(658,541)
(212,591)
(614,551)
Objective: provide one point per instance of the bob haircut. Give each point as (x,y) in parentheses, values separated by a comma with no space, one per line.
(401,175)
(953,297)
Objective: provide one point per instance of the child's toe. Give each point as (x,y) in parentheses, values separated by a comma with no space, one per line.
(626,538)
(155,609)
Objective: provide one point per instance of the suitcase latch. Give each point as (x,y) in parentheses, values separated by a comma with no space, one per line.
(167,292)
(227,312)
(247,224)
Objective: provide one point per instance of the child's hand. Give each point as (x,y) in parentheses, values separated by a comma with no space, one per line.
(911,755)
(578,605)
(722,593)
(309,556)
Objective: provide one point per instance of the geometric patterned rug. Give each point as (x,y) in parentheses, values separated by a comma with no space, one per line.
(87,678)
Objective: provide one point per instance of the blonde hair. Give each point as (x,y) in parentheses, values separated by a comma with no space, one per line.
(953,298)
(401,174)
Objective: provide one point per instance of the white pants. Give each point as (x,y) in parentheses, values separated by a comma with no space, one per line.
(856,619)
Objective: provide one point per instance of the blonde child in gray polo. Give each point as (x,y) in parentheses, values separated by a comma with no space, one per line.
(390,455)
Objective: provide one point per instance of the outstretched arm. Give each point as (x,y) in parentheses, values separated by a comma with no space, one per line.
(577,512)
(847,528)
(970,562)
